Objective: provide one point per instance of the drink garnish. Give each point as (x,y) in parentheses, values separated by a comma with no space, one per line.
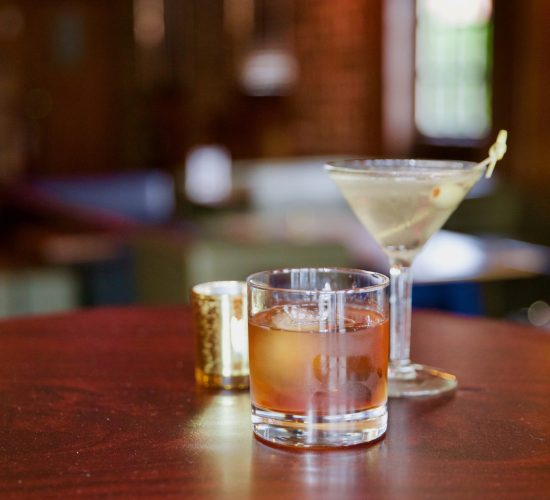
(448,195)
(496,152)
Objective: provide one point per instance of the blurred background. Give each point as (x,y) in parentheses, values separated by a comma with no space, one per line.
(148,145)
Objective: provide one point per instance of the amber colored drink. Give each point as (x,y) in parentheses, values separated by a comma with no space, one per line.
(301,369)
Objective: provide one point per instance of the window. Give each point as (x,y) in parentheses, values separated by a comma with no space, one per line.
(453,66)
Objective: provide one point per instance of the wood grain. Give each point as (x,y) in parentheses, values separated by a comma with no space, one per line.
(103,403)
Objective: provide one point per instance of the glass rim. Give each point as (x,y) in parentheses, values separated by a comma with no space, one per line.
(366,164)
(219,288)
(252,280)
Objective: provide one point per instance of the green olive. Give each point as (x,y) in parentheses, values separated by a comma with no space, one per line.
(446,195)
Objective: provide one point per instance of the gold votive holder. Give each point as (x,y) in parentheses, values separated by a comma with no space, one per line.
(221,334)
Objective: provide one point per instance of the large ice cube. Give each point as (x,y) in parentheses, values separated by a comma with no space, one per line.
(300,318)
(296,318)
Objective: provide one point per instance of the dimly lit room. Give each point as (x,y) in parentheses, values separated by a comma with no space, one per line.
(229,225)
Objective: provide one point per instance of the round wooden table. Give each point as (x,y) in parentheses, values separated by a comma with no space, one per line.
(103,403)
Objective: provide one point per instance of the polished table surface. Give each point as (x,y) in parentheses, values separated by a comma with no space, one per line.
(102,403)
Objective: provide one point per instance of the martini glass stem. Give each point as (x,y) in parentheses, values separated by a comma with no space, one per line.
(400,311)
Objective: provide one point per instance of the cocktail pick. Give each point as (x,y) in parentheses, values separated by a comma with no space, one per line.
(496,152)
(449,195)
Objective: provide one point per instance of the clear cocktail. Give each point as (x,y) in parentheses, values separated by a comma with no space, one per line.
(402,203)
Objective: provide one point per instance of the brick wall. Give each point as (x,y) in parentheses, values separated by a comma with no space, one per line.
(100,118)
(337,102)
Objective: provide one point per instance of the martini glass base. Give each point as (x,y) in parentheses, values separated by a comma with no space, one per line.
(414,380)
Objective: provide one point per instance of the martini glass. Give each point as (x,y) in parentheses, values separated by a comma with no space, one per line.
(402,203)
